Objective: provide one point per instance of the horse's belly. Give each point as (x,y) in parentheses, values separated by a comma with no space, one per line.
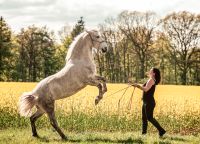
(71,92)
(59,91)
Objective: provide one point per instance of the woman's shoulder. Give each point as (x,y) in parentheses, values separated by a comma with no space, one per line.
(151,80)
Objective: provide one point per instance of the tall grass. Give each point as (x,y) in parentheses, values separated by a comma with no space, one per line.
(178,109)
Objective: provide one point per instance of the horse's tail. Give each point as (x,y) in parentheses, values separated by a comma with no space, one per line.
(26,103)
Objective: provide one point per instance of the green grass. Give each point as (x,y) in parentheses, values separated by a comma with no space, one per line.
(23,136)
(99,128)
(80,122)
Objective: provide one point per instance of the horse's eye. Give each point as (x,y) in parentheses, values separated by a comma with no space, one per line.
(97,36)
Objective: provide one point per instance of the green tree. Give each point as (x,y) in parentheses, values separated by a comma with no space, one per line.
(36,54)
(5,49)
(67,37)
(78,28)
(163,60)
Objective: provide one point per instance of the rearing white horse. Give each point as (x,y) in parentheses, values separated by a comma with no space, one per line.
(79,71)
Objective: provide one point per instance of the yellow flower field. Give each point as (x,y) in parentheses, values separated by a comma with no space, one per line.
(171,100)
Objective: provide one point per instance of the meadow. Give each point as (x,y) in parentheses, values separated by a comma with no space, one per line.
(177,109)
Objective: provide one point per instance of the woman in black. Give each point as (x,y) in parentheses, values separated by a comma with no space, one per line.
(149,102)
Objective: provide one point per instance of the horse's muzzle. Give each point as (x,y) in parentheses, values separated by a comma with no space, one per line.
(104,49)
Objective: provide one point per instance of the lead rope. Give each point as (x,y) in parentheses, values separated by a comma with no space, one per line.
(119,102)
(131,100)
(118,91)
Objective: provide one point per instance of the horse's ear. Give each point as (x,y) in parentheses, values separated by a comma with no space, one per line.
(87,31)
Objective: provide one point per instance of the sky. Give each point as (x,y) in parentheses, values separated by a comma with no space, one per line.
(56,13)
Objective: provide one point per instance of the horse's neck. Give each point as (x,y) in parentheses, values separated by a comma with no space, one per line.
(80,52)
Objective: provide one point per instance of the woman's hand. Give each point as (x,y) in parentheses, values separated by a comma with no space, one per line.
(135,85)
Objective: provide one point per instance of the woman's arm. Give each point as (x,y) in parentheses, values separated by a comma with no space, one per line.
(147,87)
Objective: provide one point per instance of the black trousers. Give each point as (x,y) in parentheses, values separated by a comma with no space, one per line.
(147,115)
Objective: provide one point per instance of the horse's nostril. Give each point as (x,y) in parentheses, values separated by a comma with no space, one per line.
(104,49)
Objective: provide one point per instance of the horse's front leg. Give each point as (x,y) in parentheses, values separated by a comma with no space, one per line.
(95,82)
(103,80)
(100,96)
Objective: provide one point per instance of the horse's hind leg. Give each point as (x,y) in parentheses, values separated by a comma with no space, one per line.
(55,124)
(51,114)
(33,119)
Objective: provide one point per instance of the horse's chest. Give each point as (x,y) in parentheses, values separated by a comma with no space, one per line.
(87,69)
(91,69)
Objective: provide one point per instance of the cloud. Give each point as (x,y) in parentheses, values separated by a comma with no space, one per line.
(55,13)
(20,4)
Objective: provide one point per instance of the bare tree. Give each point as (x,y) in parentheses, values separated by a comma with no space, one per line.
(112,67)
(139,28)
(183,32)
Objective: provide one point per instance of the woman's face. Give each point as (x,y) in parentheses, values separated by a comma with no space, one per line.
(151,73)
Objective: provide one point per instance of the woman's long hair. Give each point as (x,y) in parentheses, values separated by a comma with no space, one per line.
(157,75)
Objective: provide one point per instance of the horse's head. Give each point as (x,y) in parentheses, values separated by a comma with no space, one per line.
(97,41)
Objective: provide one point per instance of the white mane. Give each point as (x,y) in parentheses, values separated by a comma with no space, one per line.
(72,46)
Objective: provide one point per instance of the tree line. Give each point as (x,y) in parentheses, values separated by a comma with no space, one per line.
(137,41)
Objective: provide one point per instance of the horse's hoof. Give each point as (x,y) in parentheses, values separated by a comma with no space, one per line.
(35,135)
(97,101)
(98,98)
(105,90)
(64,138)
